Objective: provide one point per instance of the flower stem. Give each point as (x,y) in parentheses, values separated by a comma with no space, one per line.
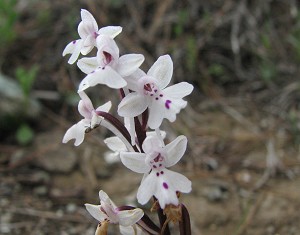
(185,223)
(116,127)
(162,220)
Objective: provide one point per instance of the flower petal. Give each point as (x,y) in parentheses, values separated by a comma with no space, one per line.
(88,25)
(147,189)
(73,48)
(152,144)
(127,64)
(132,79)
(162,71)
(130,217)
(179,90)
(87,64)
(135,162)
(77,132)
(105,107)
(105,198)
(108,45)
(175,150)
(115,144)
(132,105)
(105,75)
(95,211)
(85,106)
(160,109)
(168,184)
(111,31)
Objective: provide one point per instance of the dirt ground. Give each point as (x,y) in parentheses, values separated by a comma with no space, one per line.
(242,121)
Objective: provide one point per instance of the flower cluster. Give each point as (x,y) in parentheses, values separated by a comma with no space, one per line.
(147,99)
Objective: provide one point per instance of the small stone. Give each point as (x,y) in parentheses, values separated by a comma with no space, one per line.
(41,190)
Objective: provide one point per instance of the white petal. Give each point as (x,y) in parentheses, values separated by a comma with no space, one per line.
(178,182)
(152,144)
(85,106)
(175,150)
(105,198)
(160,109)
(162,71)
(87,64)
(130,217)
(132,130)
(127,64)
(132,105)
(157,113)
(168,184)
(132,80)
(95,211)
(179,90)
(106,76)
(115,144)
(153,133)
(111,31)
(87,49)
(146,189)
(111,157)
(107,44)
(88,25)
(77,132)
(89,41)
(73,48)
(105,107)
(135,162)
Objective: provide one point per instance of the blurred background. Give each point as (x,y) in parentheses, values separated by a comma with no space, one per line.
(242,122)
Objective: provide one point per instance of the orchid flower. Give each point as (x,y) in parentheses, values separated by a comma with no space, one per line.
(116,145)
(108,212)
(91,119)
(88,32)
(107,67)
(151,92)
(158,181)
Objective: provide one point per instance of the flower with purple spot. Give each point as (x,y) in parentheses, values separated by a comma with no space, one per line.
(151,91)
(158,181)
(108,213)
(90,120)
(88,32)
(108,67)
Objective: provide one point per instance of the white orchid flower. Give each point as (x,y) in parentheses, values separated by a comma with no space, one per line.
(116,145)
(158,181)
(107,67)
(91,119)
(152,92)
(108,212)
(88,32)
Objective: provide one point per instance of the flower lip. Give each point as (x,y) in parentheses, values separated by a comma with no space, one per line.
(107,57)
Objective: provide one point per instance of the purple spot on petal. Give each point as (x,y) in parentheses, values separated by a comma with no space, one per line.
(96,34)
(160,165)
(161,95)
(157,174)
(155,90)
(154,166)
(103,68)
(162,172)
(167,104)
(74,41)
(165,185)
(156,98)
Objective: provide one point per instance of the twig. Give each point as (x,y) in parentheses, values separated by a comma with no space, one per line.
(252,211)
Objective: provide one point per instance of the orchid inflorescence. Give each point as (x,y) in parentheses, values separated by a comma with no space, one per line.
(146,100)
